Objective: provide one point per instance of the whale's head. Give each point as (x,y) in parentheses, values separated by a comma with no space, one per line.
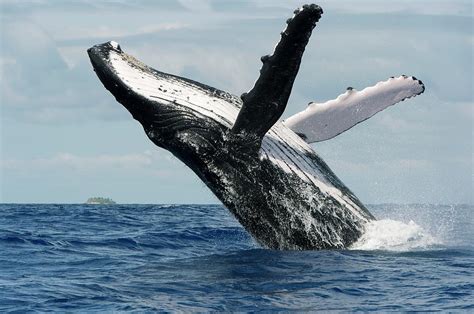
(176,113)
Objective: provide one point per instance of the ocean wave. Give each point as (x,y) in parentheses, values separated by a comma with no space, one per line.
(79,258)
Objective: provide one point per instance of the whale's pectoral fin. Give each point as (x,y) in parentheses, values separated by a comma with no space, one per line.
(322,121)
(265,103)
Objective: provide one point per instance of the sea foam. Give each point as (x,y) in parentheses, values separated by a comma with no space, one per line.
(393,235)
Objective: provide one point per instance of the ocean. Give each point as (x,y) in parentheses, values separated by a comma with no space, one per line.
(104,258)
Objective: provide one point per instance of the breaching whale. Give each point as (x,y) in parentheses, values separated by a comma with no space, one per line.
(263,170)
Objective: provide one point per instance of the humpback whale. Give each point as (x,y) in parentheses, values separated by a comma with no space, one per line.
(262,169)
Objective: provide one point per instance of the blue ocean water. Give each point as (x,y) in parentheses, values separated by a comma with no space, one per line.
(198,258)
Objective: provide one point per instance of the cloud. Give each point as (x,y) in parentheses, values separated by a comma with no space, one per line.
(39,86)
(150,163)
(200,6)
(394,166)
(436,7)
(81,6)
(221,67)
(151,176)
(407,180)
(108,32)
(48,77)
(48,80)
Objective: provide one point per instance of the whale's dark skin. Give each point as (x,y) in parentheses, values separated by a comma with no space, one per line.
(280,209)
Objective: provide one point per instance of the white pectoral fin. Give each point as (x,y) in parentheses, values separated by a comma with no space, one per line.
(322,121)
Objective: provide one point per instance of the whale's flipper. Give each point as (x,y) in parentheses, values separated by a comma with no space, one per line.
(265,103)
(323,121)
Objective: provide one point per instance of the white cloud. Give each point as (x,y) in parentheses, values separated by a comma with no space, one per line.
(46,78)
(107,31)
(397,166)
(38,85)
(436,7)
(218,54)
(151,176)
(155,163)
(193,5)
(215,66)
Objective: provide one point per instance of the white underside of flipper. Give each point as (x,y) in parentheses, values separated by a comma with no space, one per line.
(323,121)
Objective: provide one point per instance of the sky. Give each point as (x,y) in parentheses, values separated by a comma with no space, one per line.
(64,138)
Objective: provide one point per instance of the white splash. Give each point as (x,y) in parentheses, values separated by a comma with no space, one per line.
(393,235)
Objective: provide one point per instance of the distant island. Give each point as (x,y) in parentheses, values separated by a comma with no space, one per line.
(100,200)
